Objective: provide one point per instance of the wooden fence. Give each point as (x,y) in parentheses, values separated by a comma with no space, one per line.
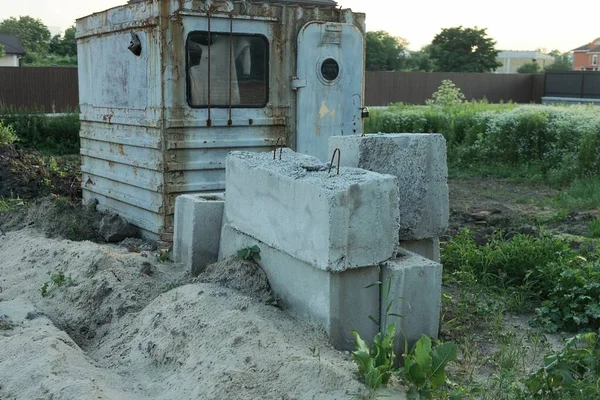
(383,88)
(55,88)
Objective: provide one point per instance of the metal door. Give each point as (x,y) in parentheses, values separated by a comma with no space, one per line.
(329,84)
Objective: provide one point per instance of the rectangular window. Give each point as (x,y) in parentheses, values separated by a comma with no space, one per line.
(227,70)
(594,59)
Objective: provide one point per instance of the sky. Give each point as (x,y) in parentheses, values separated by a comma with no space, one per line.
(514,24)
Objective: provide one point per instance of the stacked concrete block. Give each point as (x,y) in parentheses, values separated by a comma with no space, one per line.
(295,205)
(415,288)
(339,301)
(197,231)
(322,235)
(419,163)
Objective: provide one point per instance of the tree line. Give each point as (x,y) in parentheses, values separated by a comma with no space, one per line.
(41,48)
(456,49)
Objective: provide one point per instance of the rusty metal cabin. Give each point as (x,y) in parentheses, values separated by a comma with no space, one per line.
(167,88)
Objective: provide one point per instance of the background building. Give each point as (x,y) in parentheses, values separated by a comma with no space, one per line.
(511,60)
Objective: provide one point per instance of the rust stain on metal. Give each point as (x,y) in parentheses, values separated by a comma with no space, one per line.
(111,164)
(121,151)
(107,118)
(135,172)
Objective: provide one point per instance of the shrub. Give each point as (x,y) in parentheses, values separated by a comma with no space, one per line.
(562,142)
(56,134)
(447,95)
(7,134)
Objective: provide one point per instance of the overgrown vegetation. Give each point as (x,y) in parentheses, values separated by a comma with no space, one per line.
(555,144)
(563,283)
(55,134)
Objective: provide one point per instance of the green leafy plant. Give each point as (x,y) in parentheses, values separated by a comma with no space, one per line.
(56,280)
(572,304)
(169,286)
(573,373)
(249,253)
(424,368)
(447,95)
(164,256)
(376,362)
(7,134)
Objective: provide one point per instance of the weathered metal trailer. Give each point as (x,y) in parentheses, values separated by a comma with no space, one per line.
(168,87)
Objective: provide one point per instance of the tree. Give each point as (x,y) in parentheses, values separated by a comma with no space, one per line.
(1,51)
(420,61)
(385,52)
(529,68)
(34,35)
(464,50)
(562,62)
(65,45)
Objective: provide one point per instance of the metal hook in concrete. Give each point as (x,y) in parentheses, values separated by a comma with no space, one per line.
(339,153)
(280,148)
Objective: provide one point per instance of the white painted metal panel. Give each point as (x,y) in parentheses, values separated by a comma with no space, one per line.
(329,84)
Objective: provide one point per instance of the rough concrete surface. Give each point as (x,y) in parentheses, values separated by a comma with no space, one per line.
(416,288)
(339,301)
(197,231)
(419,163)
(295,205)
(428,248)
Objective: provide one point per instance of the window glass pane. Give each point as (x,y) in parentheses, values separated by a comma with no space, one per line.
(244,58)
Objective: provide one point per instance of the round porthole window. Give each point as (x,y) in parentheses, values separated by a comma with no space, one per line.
(330,69)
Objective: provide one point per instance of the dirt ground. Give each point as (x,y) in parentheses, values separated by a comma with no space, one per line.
(486,205)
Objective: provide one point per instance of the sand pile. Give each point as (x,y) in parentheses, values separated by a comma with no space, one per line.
(112,329)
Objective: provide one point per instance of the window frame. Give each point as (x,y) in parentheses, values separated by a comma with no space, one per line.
(227,106)
(595,59)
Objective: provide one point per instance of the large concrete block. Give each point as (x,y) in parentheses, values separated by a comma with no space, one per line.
(428,248)
(419,163)
(197,230)
(337,300)
(416,288)
(333,222)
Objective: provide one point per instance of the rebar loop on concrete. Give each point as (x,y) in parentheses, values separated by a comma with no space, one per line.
(339,153)
(280,148)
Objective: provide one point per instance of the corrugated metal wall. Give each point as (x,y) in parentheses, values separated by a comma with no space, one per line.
(53,89)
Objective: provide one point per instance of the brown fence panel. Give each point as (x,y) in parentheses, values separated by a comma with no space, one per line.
(383,88)
(53,89)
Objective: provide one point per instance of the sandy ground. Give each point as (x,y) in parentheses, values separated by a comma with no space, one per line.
(116,332)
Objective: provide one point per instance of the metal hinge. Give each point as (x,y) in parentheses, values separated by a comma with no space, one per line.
(298,83)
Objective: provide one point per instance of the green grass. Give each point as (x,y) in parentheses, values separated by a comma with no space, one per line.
(52,135)
(581,194)
(595,228)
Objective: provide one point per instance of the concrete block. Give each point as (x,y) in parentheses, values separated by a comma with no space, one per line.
(197,230)
(428,248)
(419,163)
(333,222)
(337,300)
(416,287)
